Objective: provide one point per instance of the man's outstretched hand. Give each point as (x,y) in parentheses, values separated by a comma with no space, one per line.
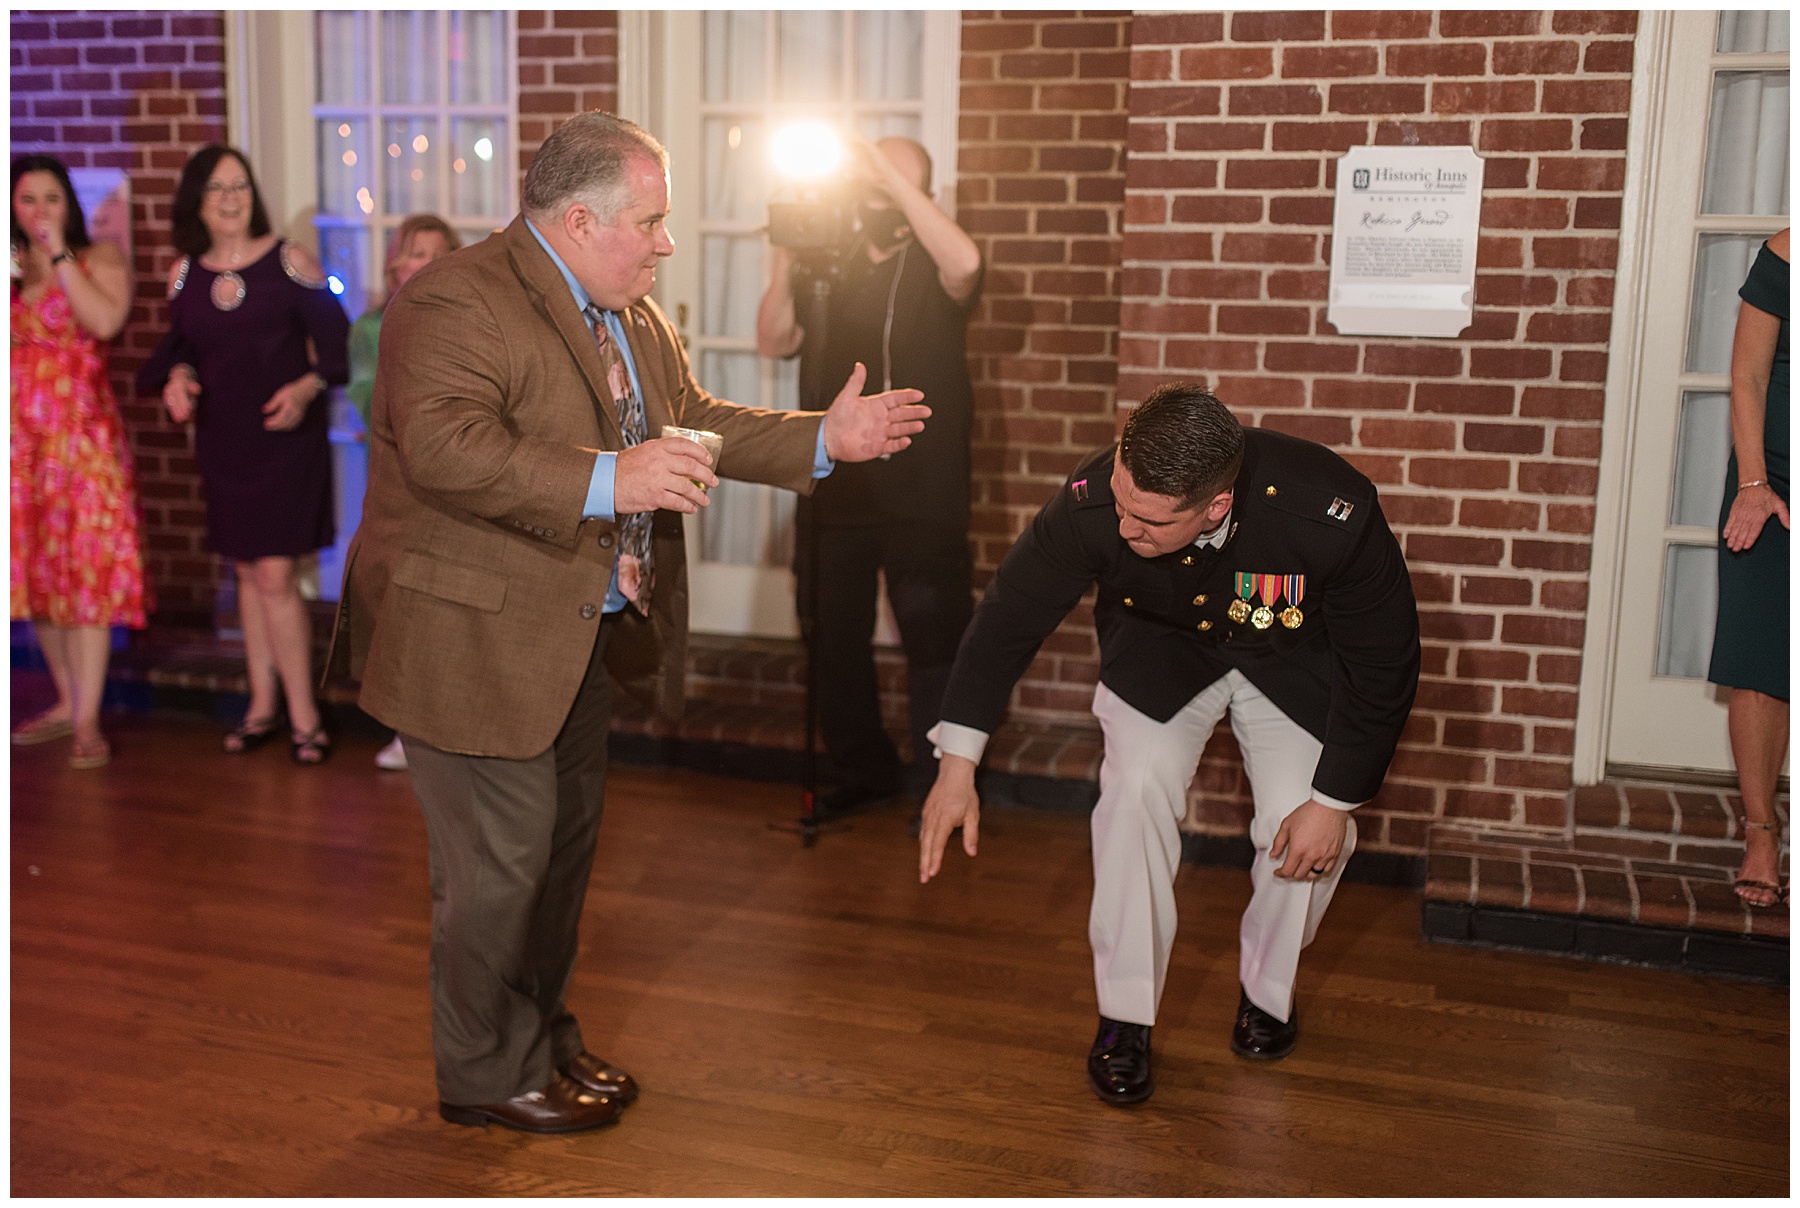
(951,803)
(862,427)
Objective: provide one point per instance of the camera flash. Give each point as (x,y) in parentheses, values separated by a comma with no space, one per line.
(807,150)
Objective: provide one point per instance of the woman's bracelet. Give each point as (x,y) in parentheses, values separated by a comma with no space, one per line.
(1755,482)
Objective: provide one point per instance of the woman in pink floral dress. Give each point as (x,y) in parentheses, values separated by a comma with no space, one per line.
(76,567)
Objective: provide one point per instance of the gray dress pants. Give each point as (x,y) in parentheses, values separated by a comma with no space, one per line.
(512,843)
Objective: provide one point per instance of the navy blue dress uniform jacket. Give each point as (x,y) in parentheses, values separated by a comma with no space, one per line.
(1346,673)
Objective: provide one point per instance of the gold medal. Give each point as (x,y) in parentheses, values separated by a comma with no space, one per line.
(1239,611)
(1263,617)
(1291,617)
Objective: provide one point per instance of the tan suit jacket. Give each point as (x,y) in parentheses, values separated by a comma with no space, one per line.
(474,588)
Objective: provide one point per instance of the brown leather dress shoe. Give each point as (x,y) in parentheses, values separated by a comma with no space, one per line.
(600,1078)
(561,1107)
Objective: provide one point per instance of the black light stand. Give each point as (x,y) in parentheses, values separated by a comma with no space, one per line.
(819,273)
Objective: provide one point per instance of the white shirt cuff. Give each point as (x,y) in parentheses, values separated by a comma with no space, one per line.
(1334,803)
(948,738)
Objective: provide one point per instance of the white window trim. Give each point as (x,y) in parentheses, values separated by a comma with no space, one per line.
(272,120)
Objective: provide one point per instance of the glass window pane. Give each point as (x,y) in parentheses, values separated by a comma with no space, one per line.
(410,157)
(478,58)
(731,285)
(409,58)
(472,235)
(787,385)
(1747,144)
(890,55)
(874,126)
(735,174)
(812,50)
(732,47)
(1690,605)
(1721,262)
(1753,31)
(478,148)
(343,55)
(346,169)
(344,253)
(1701,450)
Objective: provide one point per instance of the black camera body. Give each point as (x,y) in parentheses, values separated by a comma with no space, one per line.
(811,226)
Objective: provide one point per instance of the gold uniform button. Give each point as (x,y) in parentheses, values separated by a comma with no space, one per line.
(1200,599)
(1269,491)
(1205,625)
(1188,561)
(1128,601)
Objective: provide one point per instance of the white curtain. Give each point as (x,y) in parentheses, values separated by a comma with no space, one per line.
(1747,144)
(409,58)
(1753,32)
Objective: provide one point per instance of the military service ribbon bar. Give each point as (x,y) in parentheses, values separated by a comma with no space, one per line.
(1271,589)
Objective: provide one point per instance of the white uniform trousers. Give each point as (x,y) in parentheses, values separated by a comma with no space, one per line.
(1144,779)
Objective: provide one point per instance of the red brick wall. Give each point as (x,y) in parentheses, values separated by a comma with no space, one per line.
(568,63)
(1041,187)
(140,91)
(1486,446)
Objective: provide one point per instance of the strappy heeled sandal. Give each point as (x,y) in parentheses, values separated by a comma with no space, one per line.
(1777,893)
(312,748)
(250,735)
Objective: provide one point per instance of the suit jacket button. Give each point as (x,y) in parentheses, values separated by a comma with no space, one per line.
(1269,491)
(1128,601)
(587,612)
(1205,625)
(549,532)
(605,540)
(1200,599)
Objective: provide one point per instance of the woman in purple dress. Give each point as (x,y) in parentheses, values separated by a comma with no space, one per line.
(255,339)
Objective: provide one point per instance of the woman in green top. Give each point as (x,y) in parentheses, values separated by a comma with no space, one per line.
(417,241)
(1750,644)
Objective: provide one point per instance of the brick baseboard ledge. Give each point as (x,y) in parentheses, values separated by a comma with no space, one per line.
(1685,950)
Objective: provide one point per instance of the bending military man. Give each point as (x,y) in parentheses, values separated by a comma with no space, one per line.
(1240,572)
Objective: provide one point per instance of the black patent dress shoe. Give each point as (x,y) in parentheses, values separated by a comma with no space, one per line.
(600,1077)
(1118,1065)
(561,1107)
(1258,1035)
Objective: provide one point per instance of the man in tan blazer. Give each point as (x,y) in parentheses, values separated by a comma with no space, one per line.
(521,541)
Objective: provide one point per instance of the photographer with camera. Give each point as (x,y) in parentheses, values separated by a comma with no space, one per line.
(903,283)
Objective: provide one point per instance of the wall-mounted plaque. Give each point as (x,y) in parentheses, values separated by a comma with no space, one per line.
(1403,241)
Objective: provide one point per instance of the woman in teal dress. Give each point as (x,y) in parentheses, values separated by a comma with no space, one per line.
(1750,645)
(417,241)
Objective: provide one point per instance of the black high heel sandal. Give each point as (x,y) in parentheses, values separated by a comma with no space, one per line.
(312,748)
(250,735)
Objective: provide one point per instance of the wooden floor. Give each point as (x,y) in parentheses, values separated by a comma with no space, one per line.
(219,988)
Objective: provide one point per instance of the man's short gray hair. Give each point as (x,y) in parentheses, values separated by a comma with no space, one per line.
(588,160)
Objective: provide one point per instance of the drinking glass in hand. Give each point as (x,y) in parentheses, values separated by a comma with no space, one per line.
(712,442)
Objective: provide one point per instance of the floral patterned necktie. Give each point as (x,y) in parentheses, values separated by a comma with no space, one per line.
(636,567)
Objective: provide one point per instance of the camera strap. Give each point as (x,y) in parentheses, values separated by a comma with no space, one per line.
(887,328)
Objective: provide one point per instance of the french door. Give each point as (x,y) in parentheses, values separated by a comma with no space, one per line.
(714,86)
(1719,187)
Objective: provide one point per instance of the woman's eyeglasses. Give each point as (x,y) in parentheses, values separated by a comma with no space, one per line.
(218,190)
